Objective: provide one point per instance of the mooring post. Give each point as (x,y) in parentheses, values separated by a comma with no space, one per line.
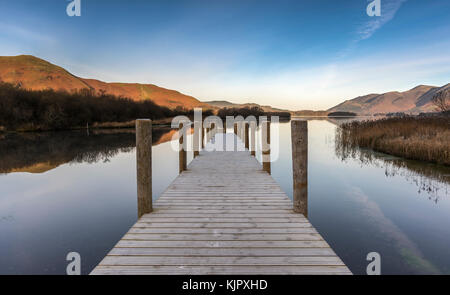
(299,137)
(224,136)
(182,154)
(144,165)
(196,139)
(266,146)
(241,131)
(252,138)
(247,144)
(203,137)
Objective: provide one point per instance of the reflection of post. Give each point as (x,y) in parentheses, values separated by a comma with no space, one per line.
(252,138)
(203,137)
(299,135)
(247,146)
(235,138)
(144,166)
(266,145)
(182,154)
(224,136)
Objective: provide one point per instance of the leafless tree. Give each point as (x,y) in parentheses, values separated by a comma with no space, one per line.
(442,101)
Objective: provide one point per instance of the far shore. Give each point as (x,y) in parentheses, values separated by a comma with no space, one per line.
(166,122)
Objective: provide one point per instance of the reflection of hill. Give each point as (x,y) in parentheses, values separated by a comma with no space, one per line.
(430,178)
(335,120)
(166,137)
(36,168)
(41,152)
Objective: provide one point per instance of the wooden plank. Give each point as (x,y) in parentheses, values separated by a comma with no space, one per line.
(223,220)
(168,213)
(246,252)
(211,270)
(222,237)
(224,208)
(223,225)
(230,260)
(224,244)
(146,230)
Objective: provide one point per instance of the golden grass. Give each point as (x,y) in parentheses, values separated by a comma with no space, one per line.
(417,138)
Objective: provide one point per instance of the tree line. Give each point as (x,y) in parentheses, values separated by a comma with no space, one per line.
(52,110)
(249,111)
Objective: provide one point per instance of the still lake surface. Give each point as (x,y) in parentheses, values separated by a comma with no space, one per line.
(72,191)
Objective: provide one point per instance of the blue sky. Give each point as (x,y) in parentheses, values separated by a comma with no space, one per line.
(290,54)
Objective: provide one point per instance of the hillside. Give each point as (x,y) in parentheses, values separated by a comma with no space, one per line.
(415,100)
(37,74)
(227,104)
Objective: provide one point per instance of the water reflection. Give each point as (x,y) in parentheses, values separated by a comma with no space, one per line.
(431,179)
(41,152)
(359,201)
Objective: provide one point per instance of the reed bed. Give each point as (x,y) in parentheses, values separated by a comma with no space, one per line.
(417,138)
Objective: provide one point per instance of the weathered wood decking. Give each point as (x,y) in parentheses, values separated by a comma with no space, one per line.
(224,215)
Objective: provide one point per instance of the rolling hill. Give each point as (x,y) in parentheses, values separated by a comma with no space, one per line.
(227,104)
(414,101)
(37,74)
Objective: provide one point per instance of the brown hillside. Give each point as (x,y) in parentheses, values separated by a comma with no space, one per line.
(37,74)
(415,100)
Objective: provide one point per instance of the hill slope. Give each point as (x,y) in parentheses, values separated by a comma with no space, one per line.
(415,100)
(37,74)
(227,104)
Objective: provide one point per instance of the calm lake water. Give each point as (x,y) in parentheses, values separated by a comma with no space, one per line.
(70,191)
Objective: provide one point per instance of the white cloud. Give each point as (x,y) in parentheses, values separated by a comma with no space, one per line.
(388,10)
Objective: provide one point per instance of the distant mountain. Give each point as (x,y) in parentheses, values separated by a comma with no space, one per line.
(227,104)
(414,101)
(36,74)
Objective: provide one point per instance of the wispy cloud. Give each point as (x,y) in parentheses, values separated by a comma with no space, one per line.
(24,33)
(388,10)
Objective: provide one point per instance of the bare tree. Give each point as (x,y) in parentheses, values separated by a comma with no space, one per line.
(442,101)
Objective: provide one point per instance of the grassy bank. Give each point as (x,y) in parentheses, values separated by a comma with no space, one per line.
(417,138)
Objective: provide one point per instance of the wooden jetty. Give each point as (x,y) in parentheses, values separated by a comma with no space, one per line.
(224,214)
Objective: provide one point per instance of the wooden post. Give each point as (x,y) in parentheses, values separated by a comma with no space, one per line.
(252,138)
(266,146)
(299,136)
(247,144)
(144,166)
(182,154)
(241,130)
(224,136)
(196,139)
(235,128)
(203,138)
